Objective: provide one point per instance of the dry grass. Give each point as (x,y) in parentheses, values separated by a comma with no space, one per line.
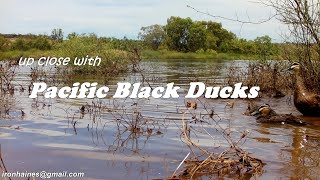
(272,77)
(7,73)
(214,161)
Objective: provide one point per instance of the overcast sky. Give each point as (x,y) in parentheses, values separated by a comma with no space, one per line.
(119,18)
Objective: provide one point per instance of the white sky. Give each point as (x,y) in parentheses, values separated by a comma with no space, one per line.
(125,18)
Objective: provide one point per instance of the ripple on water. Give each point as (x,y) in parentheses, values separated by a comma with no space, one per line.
(54,131)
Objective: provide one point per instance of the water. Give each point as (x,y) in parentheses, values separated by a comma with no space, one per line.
(55,136)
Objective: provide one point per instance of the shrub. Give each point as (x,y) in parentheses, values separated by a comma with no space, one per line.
(4,43)
(200,51)
(113,61)
(20,44)
(211,52)
(41,43)
(23,44)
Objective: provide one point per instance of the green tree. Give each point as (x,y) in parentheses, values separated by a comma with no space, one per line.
(152,35)
(177,33)
(215,31)
(264,46)
(196,38)
(239,46)
(183,34)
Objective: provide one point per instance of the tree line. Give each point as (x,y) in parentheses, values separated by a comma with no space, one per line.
(186,35)
(179,34)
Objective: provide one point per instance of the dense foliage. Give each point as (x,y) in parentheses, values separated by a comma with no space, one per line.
(115,54)
(180,37)
(152,35)
(23,44)
(186,35)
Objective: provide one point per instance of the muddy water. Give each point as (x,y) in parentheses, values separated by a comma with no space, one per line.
(54,135)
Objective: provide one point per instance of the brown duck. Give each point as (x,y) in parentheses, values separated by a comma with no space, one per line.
(268,115)
(251,108)
(306,102)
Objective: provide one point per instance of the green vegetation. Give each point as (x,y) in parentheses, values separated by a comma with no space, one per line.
(180,38)
(185,35)
(165,54)
(115,54)
(113,61)
(184,38)
(152,36)
(16,54)
(13,47)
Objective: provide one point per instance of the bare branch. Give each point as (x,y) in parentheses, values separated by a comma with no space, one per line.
(234,19)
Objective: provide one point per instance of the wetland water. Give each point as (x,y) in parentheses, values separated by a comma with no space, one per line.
(55,135)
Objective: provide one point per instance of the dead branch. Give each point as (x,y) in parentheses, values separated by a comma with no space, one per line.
(234,19)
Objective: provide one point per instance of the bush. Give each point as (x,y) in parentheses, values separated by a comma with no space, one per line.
(113,61)
(4,43)
(200,51)
(211,52)
(267,74)
(20,44)
(23,44)
(41,43)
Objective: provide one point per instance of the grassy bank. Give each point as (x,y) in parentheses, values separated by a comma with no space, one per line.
(16,54)
(146,54)
(115,55)
(164,54)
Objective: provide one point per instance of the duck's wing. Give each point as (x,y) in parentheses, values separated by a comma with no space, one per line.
(261,119)
(291,119)
(276,119)
(273,113)
(315,100)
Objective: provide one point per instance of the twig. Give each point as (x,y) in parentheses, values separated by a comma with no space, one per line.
(234,20)
(180,165)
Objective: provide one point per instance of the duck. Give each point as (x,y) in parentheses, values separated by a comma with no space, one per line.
(251,108)
(268,115)
(306,102)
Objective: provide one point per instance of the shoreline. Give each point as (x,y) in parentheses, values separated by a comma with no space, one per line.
(145,54)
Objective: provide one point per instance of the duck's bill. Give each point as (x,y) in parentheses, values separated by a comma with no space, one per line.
(254,113)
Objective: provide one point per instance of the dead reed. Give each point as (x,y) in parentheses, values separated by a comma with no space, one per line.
(231,161)
(271,76)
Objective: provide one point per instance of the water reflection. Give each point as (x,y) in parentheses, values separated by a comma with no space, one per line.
(132,139)
(304,154)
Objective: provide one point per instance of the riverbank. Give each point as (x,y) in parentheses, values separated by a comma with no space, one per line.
(34,53)
(164,54)
(146,54)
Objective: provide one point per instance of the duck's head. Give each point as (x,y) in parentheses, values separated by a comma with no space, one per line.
(264,110)
(295,67)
